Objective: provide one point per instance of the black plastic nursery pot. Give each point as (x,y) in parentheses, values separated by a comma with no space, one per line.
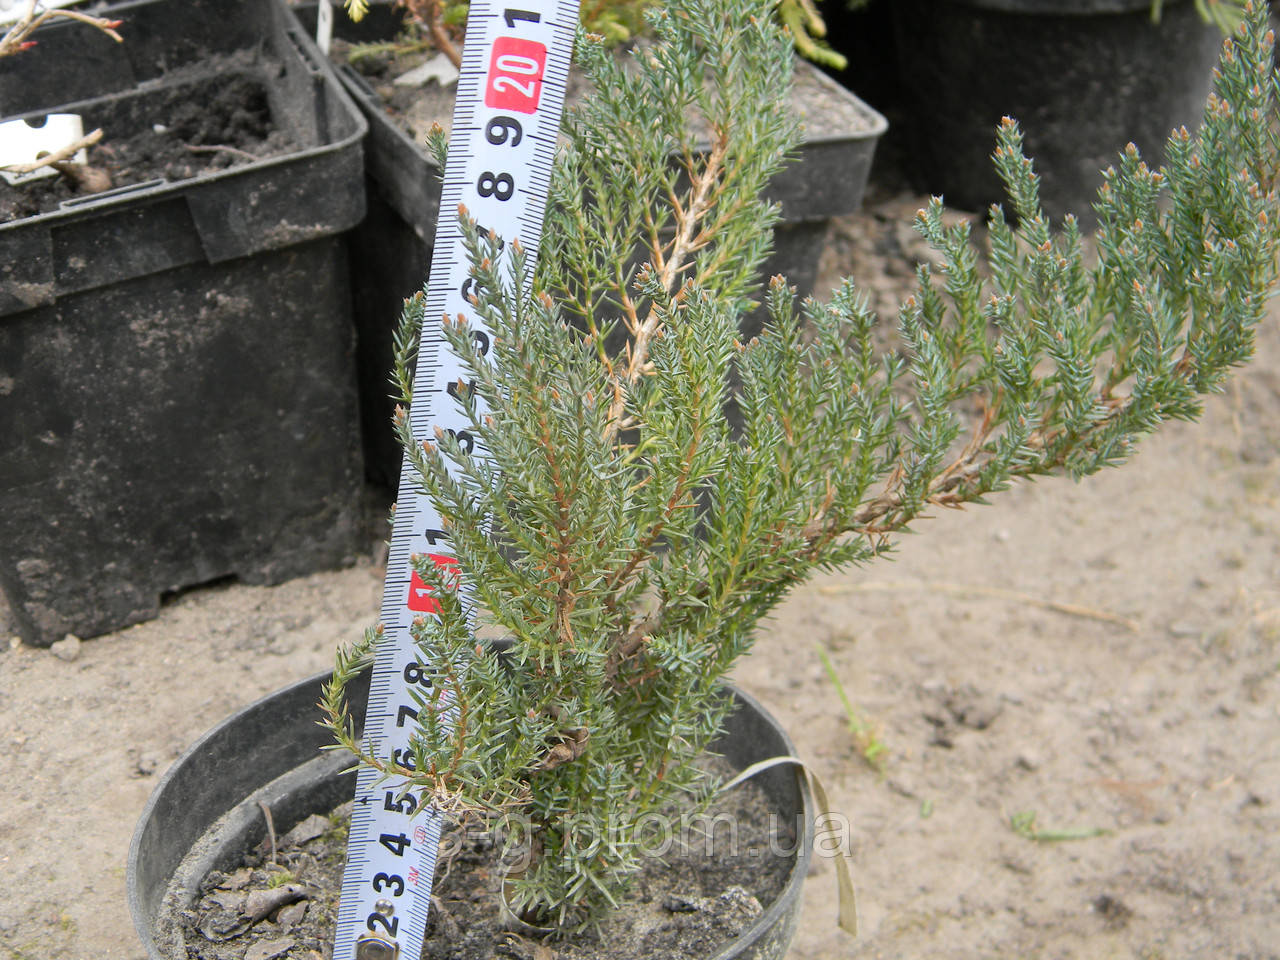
(392,255)
(1082,77)
(178,389)
(205,813)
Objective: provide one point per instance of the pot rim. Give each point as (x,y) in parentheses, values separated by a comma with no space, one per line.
(790,891)
(143,918)
(1063,8)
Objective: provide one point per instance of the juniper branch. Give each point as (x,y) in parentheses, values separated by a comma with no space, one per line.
(638,536)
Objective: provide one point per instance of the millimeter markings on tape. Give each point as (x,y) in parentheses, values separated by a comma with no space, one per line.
(506,122)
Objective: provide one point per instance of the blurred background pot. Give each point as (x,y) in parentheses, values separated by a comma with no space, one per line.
(1082,77)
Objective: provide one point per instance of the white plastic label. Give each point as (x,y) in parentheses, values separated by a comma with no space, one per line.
(324,26)
(13,10)
(22,143)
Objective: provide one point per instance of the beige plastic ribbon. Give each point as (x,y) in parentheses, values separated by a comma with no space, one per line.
(848,916)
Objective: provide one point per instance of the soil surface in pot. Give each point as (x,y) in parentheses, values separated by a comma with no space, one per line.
(823,108)
(685,905)
(195,128)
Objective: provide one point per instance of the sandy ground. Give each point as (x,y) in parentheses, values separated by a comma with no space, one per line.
(1097,659)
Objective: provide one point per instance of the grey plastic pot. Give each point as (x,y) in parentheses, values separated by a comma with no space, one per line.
(204,814)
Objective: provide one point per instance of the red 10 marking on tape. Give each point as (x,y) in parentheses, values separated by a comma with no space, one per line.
(420,596)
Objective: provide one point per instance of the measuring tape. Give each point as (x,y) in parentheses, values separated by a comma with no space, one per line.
(506,122)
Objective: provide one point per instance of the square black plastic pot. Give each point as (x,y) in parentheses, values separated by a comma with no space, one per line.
(392,255)
(177,384)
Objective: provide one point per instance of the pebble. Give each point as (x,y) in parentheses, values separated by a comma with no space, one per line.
(68,648)
(259,903)
(676,903)
(291,915)
(310,828)
(266,949)
(230,900)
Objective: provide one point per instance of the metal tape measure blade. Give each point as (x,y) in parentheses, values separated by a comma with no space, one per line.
(506,124)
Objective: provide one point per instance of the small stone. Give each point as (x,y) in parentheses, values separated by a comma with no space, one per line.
(291,915)
(218,923)
(309,829)
(15,643)
(230,900)
(237,880)
(675,903)
(68,648)
(266,949)
(259,903)
(1028,762)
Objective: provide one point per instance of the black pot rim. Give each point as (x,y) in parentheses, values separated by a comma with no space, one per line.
(1062,8)
(143,916)
(804,854)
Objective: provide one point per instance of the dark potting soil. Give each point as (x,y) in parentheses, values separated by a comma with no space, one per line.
(221,121)
(684,906)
